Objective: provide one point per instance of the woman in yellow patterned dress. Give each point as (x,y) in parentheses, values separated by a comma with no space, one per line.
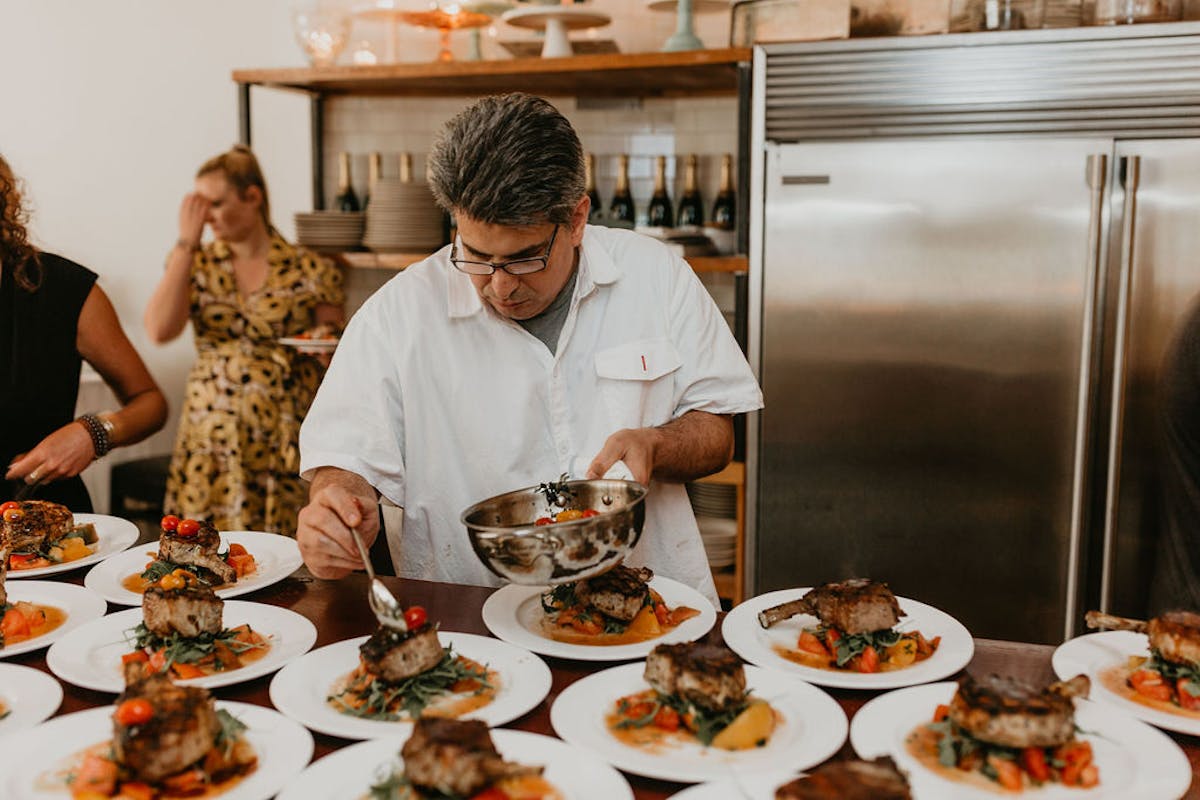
(236,460)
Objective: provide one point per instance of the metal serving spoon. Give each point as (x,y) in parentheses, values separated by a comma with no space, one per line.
(385,605)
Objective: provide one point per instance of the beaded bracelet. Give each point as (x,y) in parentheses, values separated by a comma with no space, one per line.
(99,433)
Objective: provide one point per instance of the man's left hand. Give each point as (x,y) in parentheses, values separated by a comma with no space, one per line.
(635,446)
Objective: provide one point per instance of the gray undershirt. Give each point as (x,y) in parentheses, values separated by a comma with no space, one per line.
(547,325)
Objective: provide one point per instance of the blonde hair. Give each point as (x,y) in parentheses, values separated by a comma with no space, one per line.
(241,169)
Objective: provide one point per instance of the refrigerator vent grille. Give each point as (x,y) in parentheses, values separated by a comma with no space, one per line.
(1128,82)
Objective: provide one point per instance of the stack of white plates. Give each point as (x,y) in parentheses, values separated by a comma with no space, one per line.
(403,217)
(716,514)
(330,230)
(720,539)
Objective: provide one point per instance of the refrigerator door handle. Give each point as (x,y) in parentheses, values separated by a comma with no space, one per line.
(1097,179)
(1131,174)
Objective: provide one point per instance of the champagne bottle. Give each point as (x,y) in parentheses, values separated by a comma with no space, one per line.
(589,168)
(374,173)
(406,170)
(724,215)
(346,199)
(660,212)
(691,206)
(622,208)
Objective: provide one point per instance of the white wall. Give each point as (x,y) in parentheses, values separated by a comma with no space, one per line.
(107,110)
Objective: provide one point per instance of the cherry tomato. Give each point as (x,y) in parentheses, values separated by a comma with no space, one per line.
(13,514)
(415,617)
(169,523)
(187,528)
(543,521)
(10,504)
(590,512)
(137,711)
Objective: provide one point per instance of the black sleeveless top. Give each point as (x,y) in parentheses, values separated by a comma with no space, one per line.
(39,369)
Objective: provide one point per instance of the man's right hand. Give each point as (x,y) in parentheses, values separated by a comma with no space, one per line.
(337,501)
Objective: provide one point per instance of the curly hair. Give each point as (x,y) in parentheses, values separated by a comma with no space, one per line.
(18,257)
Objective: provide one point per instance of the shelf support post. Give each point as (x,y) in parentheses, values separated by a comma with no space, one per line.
(244,113)
(317,135)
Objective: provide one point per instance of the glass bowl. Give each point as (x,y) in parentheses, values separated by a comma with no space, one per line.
(322,34)
(506,539)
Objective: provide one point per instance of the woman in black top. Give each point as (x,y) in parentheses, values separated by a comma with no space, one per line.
(52,316)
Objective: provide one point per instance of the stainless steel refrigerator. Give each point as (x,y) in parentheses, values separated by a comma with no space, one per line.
(970,256)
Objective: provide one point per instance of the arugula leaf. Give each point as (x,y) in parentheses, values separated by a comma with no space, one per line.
(407,699)
(179,649)
(559,597)
(230,732)
(157,570)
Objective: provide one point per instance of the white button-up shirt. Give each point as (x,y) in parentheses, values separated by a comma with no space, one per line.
(439,402)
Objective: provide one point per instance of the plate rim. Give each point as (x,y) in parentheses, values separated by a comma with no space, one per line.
(290,674)
(300,737)
(44,688)
(866,731)
(507,627)
(800,692)
(90,607)
(747,646)
(129,529)
(99,581)
(54,656)
(1151,716)
(293,789)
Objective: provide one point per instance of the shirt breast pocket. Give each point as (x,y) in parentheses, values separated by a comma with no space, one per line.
(636,382)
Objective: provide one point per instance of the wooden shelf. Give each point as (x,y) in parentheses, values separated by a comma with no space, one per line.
(399,261)
(689,73)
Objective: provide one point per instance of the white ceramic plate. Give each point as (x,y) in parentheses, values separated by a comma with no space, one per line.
(1135,760)
(113,535)
(1095,652)
(90,656)
(80,605)
(283,748)
(740,787)
(514,613)
(349,773)
(277,556)
(300,689)
(747,638)
(310,345)
(812,728)
(30,696)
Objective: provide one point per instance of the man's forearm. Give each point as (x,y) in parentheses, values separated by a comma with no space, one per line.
(692,446)
(333,476)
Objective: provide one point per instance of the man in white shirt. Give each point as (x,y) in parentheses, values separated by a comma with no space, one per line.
(534,345)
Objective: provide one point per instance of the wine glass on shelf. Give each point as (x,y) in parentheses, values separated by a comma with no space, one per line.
(321,32)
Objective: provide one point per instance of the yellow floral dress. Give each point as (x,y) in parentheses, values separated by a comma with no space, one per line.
(237,459)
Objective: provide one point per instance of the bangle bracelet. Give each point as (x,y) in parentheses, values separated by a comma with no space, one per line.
(101,442)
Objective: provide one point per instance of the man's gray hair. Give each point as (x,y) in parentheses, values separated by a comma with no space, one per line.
(510,159)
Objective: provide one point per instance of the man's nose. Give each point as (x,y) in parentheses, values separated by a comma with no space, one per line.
(503,284)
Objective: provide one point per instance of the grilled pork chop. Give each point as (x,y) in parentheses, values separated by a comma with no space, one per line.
(858,605)
(181,731)
(190,611)
(1175,635)
(394,656)
(619,593)
(1007,712)
(41,523)
(455,757)
(707,675)
(849,780)
(198,550)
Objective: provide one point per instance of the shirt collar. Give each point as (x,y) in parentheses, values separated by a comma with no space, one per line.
(596,268)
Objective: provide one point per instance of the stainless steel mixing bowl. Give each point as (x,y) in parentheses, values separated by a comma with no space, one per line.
(505,538)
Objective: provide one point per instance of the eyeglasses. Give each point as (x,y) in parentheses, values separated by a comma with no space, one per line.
(519,266)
